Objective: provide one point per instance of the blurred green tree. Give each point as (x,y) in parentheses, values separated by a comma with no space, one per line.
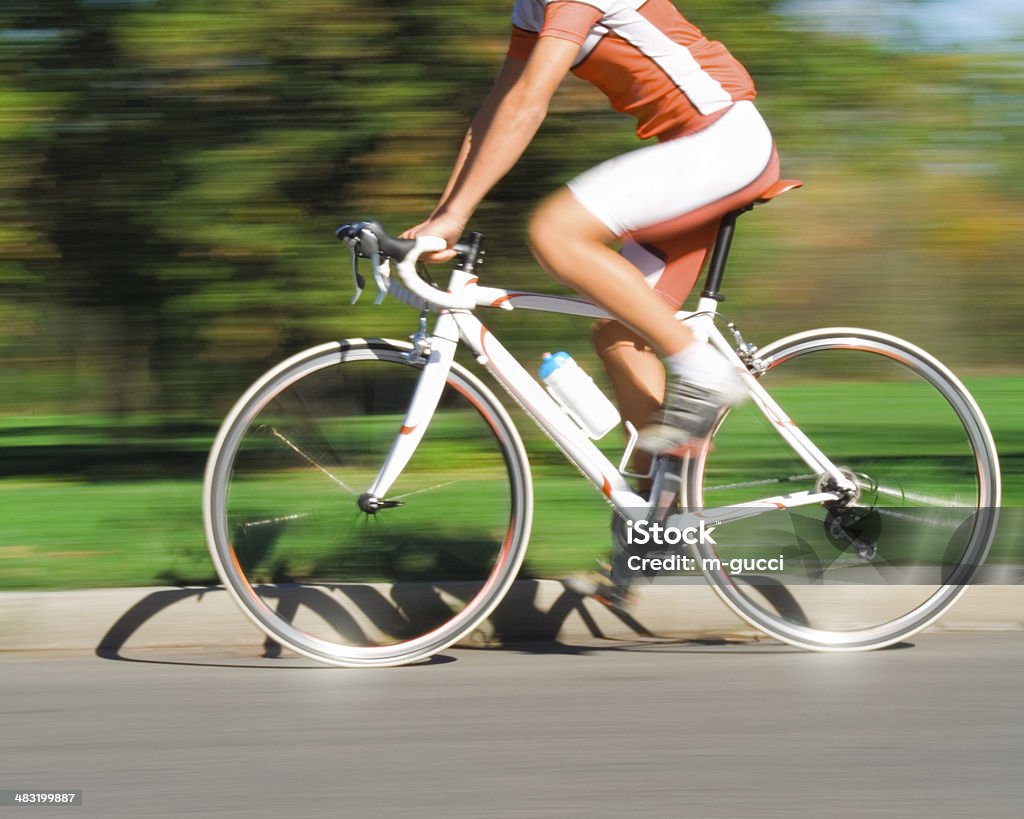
(175,169)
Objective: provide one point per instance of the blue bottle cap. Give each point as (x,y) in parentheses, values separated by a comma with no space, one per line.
(550,363)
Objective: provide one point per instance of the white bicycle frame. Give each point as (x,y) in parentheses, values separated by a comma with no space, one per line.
(456,322)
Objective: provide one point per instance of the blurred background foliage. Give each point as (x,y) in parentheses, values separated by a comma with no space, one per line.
(174,169)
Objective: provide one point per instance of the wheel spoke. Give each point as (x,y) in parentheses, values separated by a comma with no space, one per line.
(310,460)
(916,497)
(762,482)
(427,489)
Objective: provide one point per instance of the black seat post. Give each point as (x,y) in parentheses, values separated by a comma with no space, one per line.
(716,270)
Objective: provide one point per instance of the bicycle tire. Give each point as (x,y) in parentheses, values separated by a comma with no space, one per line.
(896,593)
(313,572)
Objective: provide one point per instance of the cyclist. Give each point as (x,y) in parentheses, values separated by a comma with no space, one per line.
(664,201)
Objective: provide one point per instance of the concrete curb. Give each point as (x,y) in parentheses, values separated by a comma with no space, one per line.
(110,620)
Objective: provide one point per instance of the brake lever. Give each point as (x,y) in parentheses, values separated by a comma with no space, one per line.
(360,280)
(351,235)
(370,247)
(363,244)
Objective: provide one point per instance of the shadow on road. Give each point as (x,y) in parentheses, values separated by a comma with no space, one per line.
(365,614)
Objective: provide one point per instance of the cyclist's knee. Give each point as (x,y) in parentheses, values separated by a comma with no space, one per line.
(562,220)
(564,235)
(547,229)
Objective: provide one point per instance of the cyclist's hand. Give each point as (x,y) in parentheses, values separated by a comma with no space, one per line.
(448,226)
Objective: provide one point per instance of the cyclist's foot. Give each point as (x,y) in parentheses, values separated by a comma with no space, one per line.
(609,584)
(601,586)
(687,418)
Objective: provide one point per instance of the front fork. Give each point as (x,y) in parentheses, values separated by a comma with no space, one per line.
(439,351)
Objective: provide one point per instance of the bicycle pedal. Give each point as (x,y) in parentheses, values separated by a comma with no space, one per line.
(620,603)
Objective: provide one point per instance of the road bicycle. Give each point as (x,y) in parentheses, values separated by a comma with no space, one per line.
(369,501)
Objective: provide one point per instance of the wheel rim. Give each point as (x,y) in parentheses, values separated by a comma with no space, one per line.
(325,579)
(918,442)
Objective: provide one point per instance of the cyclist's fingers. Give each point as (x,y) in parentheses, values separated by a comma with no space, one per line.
(414,231)
(439,256)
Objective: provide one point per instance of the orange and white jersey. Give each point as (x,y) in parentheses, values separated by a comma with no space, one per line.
(644,55)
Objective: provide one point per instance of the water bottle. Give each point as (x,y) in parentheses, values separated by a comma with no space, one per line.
(578,394)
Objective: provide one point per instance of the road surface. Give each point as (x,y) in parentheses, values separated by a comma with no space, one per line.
(633,729)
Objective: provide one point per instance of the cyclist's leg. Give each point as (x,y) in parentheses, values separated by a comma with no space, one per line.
(636,374)
(671,268)
(651,194)
(573,246)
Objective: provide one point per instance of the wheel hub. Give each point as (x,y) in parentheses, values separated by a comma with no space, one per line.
(849,495)
(371,504)
(848,522)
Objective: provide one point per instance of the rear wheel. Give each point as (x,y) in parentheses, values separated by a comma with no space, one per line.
(315,571)
(887,561)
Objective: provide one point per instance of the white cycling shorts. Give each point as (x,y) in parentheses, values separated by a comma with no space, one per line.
(667,199)
(658,183)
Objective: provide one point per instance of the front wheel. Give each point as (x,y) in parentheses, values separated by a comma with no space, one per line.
(316,572)
(888,560)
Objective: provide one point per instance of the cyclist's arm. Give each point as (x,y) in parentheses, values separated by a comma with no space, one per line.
(506,123)
(510,71)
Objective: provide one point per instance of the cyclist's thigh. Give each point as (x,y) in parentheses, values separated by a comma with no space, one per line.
(658,184)
(671,266)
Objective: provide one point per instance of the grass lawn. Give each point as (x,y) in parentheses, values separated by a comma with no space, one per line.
(67,522)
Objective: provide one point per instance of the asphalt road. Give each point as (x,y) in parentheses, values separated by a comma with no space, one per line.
(631,729)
